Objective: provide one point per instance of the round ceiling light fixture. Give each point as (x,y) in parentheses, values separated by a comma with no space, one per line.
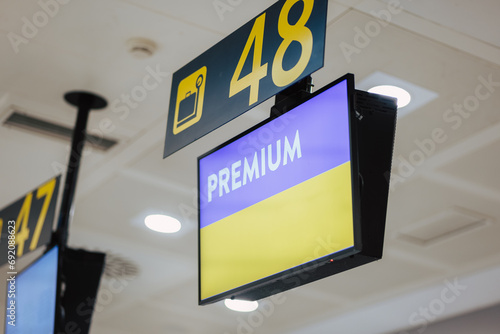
(241,305)
(141,48)
(402,95)
(162,223)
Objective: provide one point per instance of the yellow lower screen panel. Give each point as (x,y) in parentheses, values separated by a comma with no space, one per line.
(303,223)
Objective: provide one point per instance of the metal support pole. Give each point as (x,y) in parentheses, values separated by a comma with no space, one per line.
(85,102)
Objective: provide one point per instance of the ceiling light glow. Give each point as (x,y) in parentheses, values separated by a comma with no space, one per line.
(402,95)
(241,305)
(162,223)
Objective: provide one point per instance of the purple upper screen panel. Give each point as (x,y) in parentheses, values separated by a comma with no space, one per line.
(307,141)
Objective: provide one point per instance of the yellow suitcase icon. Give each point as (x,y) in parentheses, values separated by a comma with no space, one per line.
(189,103)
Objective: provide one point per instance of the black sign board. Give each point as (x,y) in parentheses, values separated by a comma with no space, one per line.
(26,224)
(282,45)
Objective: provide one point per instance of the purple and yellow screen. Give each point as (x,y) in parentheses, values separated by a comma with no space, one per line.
(278,197)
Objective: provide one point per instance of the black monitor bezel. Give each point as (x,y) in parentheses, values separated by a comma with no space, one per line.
(257,289)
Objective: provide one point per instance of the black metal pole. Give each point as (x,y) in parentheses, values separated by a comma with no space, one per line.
(85,102)
(69,190)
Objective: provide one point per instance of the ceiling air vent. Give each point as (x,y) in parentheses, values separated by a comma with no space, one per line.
(35,124)
(118,266)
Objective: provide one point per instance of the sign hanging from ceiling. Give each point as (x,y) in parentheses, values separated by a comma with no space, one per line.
(296,198)
(282,45)
(272,196)
(27,223)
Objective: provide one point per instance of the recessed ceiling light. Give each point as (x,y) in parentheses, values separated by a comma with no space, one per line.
(241,305)
(162,223)
(420,96)
(402,95)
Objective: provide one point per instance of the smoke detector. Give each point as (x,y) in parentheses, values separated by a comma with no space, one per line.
(141,48)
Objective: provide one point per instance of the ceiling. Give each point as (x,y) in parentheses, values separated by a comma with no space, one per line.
(443,221)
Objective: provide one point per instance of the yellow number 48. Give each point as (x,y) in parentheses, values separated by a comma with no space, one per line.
(281,77)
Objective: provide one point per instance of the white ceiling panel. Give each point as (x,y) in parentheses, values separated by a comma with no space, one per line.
(443,214)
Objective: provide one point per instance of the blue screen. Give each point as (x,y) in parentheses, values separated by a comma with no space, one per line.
(31,297)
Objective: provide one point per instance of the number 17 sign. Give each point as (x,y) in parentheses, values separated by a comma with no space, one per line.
(282,45)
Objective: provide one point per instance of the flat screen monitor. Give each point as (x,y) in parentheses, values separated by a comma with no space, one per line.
(298,197)
(31,297)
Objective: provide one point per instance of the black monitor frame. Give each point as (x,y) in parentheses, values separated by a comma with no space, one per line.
(372,121)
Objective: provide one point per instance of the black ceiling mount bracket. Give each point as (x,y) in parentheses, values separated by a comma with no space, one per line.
(84,99)
(291,96)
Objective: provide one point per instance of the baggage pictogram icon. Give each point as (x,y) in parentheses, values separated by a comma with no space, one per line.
(189,104)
